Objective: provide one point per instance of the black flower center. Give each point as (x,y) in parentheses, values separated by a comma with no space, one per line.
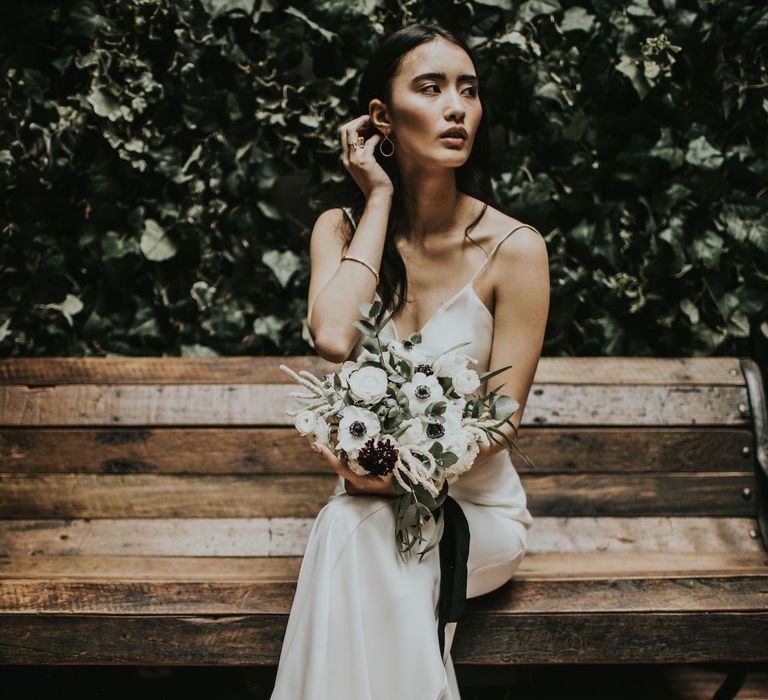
(422,391)
(357,428)
(435,431)
(424,369)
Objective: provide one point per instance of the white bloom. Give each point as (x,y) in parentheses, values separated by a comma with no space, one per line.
(347,368)
(368,384)
(450,363)
(415,434)
(454,413)
(357,425)
(466,381)
(414,354)
(322,431)
(305,421)
(421,391)
(464,445)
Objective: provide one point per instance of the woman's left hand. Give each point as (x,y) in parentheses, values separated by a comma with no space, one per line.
(355,484)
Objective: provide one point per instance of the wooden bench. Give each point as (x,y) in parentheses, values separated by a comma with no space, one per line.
(153,511)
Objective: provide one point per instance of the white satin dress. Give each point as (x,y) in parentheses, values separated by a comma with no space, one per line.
(363,624)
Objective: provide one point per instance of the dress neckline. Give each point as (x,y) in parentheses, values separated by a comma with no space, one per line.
(469,286)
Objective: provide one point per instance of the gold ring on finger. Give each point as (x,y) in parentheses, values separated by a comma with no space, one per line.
(360,142)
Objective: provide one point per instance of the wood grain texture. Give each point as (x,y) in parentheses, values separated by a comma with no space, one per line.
(481,638)
(574,565)
(279,537)
(266,405)
(36,371)
(302,496)
(248,597)
(225,450)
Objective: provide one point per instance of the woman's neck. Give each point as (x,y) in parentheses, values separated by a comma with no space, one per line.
(433,207)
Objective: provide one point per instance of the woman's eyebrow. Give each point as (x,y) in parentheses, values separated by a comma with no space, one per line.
(439,75)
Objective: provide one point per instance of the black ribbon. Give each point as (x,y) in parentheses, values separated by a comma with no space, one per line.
(454,554)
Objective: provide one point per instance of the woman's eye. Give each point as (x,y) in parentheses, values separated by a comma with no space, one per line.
(473,91)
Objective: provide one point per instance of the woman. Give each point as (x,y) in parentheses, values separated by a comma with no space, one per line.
(363,623)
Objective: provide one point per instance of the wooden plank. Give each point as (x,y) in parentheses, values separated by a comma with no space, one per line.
(301,496)
(261,537)
(539,566)
(225,450)
(640,370)
(36,371)
(109,596)
(49,371)
(612,638)
(253,404)
(214,640)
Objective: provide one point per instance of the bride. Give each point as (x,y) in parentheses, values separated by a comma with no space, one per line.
(363,623)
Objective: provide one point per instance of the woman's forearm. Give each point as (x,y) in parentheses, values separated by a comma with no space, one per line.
(487,451)
(336,306)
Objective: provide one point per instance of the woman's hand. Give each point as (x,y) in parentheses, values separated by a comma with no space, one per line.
(354,484)
(361,163)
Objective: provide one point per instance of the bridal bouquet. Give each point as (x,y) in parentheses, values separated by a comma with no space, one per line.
(400,409)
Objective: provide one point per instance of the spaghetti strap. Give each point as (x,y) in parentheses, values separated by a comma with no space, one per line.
(496,247)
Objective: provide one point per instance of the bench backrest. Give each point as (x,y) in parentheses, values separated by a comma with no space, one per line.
(195,456)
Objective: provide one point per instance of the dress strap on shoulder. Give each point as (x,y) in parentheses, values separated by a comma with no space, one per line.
(496,247)
(350,217)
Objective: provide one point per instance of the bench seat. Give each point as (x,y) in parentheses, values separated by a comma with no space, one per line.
(155,513)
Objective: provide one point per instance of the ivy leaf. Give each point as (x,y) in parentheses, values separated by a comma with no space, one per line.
(577,18)
(283,264)
(703,154)
(155,244)
(68,308)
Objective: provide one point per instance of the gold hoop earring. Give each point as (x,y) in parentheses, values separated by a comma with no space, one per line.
(386,138)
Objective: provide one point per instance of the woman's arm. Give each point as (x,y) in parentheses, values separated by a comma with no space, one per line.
(337,288)
(520,317)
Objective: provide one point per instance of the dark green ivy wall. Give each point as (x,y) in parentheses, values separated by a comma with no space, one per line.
(162,163)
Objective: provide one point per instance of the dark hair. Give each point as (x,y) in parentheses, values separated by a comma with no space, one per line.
(472,178)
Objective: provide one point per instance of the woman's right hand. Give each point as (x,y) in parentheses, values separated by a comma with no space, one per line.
(361,163)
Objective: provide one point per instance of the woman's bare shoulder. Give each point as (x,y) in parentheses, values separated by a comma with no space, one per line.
(495,225)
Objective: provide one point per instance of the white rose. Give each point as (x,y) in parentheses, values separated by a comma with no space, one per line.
(466,381)
(415,433)
(451,362)
(305,421)
(346,369)
(368,384)
(464,445)
(454,415)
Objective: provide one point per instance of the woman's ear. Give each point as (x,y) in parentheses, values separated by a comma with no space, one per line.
(377,111)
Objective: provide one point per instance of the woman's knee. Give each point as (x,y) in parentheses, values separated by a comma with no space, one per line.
(501,561)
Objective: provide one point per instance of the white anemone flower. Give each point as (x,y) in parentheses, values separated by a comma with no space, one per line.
(421,391)
(357,425)
(411,352)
